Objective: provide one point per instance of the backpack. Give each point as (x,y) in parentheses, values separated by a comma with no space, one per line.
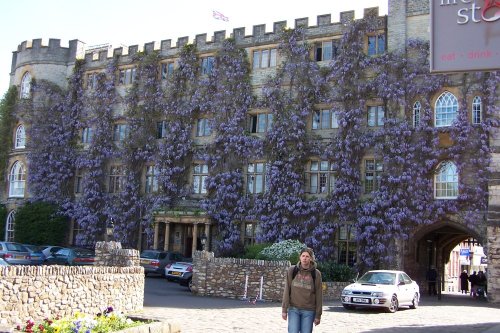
(296,270)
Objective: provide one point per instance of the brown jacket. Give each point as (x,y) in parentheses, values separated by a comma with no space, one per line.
(302,292)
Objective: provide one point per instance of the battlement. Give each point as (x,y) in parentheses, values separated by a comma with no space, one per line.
(34,51)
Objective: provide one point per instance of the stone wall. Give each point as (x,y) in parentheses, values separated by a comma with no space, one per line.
(112,254)
(39,292)
(226,277)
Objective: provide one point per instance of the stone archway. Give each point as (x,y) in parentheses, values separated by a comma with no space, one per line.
(431,245)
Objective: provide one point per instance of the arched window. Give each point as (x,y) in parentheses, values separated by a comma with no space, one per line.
(446,109)
(446,181)
(20,137)
(477,115)
(416,113)
(26,86)
(9,227)
(17,180)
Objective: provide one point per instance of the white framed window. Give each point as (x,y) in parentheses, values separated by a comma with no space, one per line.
(477,114)
(376,44)
(446,181)
(324,119)
(261,123)
(87,134)
(326,50)
(203,127)
(372,175)
(17,180)
(207,64)
(417,107)
(119,132)
(264,58)
(256,177)
(161,129)
(200,174)
(26,85)
(20,141)
(167,70)
(10,226)
(151,179)
(116,178)
(127,76)
(320,177)
(446,109)
(376,115)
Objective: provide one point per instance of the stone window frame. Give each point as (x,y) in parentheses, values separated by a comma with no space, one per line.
(126,76)
(203,127)
(116,178)
(255,177)
(151,182)
(260,122)
(346,245)
(199,178)
(477,110)
(445,109)
(379,42)
(446,181)
(375,115)
(17,180)
(324,119)
(87,135)
(372,171)
(319,47)
(10,226)
(25,87)
(259,61)
(318,172)
(167,69)
(207,64)
(20,137)
(416,113)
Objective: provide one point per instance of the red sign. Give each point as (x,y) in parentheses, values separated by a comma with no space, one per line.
(465,35)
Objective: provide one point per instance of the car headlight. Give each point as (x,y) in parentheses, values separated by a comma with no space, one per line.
(347,292)
(377,294)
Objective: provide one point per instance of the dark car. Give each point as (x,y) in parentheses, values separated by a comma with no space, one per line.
(180,271)
(72,257)
(154,261)
(14,253)
(36,255)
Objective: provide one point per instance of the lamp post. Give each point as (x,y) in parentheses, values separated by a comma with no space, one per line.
(203,239)
(110,229)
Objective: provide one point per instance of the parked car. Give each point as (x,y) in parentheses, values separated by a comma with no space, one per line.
(180,271)
(14,253)
(384,289)
(154,261)
(3,262)
(72,257)
(49,250)
(36,255)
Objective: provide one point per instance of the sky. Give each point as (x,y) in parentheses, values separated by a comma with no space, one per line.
(132,22)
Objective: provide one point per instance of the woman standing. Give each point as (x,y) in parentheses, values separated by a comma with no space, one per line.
(303,295)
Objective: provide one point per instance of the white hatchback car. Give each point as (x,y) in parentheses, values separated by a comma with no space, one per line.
(382,289)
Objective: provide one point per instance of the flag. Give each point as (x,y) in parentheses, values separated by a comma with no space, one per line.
(219,16)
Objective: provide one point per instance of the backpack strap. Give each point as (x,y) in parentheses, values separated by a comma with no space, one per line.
(296,270)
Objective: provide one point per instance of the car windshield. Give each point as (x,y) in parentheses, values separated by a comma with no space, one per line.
(378,278)
(149,255)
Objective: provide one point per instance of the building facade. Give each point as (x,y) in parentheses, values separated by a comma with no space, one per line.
(335,134)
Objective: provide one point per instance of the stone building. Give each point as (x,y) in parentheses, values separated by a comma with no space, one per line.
(183,224)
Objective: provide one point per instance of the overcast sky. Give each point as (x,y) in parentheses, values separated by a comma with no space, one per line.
(131,22)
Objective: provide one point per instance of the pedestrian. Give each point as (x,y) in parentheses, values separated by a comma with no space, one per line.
(464,282)
(481,284)
(431,281)
(473,284)
(303,294)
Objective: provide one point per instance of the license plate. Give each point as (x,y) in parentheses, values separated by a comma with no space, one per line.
(360,300)
(145,262)
(176,273)
(19,257)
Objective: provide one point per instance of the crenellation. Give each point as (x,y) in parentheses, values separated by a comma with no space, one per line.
(117,52)
(36,44)
(278,26)
(181,41)
(370,12)
(165,45)
(149,47)
(103,55)
(259,30)
(238,34)
(219,36)
(54,43)
(325,19)
(200,40)
(347,16)
(133,49)
(302,22)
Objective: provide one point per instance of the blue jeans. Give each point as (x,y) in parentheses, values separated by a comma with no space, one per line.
(300,321)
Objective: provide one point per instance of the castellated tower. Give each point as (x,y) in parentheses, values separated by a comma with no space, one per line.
(52,63)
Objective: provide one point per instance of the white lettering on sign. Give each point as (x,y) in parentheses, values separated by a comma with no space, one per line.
(489,12)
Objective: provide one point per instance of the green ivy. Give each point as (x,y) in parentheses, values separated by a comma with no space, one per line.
(38,223)
(7,123)
(331,271)
(3,219)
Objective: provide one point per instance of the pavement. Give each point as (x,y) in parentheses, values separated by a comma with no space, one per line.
(195,314)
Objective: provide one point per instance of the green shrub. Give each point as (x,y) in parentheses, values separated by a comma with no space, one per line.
(253,251)
(285,250)
(3,220)
(331,271)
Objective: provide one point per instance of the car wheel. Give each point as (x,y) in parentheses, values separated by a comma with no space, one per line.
(348,307)
(394,304)
(414,302)
(190,284)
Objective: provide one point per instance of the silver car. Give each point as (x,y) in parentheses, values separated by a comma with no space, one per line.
(15,253)
(383,289)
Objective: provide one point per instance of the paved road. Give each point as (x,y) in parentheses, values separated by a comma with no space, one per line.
(194,314)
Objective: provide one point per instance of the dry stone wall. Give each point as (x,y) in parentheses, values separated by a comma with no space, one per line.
(227,277)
